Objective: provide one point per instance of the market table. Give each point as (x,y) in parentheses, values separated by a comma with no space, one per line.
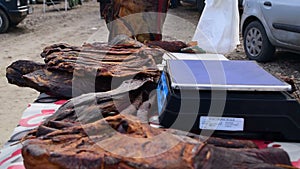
(45,106)
(35,113)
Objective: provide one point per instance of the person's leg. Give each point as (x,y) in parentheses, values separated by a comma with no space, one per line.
(173,4)
(178,3)
(102,6)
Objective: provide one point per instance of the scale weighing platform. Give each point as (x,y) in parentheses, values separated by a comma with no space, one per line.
(227,98)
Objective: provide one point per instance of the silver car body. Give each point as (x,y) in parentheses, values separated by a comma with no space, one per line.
(280,18)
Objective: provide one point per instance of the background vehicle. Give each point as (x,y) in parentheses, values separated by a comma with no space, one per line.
(12,12)
(270,24)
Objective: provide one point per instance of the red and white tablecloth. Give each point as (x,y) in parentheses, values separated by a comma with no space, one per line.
(35,113)
(10,154)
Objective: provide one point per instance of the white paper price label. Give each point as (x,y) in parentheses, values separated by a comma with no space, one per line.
(221,123)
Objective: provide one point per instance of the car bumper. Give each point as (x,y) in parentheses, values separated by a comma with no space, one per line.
(16,16)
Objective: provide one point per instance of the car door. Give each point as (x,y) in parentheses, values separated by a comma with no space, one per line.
(283,19)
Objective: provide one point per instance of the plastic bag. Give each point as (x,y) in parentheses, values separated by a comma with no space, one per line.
(218,27)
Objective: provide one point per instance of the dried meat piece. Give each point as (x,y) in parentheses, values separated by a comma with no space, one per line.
(15,71)
(56,83)
(170,46)
(59,47)
(123,142)
(65,85)
(219,157)
(105,60)
(92,107)
(71,71)
(219,142)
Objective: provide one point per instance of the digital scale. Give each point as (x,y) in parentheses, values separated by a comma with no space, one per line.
(227,98)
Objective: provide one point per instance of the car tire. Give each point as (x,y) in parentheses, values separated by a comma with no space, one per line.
(256,43)
(4,22)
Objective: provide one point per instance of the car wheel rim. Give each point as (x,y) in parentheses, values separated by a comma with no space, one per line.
(254,42)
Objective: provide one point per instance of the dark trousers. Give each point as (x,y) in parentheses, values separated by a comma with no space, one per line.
(175,3)
(103,4)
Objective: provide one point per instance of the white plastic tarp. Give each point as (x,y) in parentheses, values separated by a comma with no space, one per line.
(218,28)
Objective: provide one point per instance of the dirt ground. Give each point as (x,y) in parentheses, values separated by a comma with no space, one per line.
(83,24)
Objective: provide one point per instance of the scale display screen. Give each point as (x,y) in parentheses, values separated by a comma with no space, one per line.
(162,92)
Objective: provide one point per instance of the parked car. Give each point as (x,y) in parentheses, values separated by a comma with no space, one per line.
(12,12)
(270,24)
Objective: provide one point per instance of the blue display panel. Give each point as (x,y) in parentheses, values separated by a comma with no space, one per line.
(162,92)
